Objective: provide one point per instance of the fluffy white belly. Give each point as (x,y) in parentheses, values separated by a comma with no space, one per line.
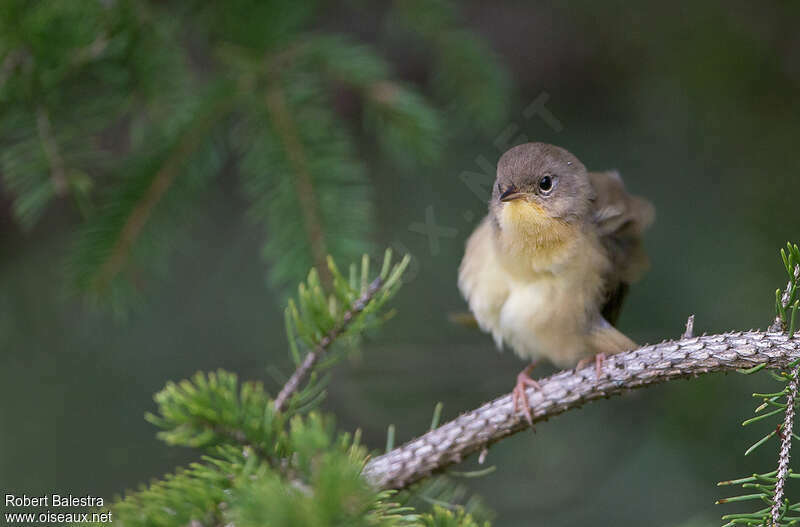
(521,317)
(543,319)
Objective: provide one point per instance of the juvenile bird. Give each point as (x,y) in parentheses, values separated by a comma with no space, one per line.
(548,268)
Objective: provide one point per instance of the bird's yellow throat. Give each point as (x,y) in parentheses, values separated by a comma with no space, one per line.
(529,233)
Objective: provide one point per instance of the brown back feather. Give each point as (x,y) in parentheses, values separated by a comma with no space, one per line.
(621,219)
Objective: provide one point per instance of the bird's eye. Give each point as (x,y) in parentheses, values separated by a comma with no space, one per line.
(546,184)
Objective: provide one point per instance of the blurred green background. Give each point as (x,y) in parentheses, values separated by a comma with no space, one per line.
(696,105)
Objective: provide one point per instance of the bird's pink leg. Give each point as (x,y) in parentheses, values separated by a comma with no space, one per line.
(599,359)
(518,394)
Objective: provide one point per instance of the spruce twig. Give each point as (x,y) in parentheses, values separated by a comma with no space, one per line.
(51,149)
(785,451)
(302,371)
(12,59)
(160,185)
(783,300)
(298,158)
(786,435)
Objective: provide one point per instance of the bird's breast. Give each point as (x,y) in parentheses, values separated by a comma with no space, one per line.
(529,242)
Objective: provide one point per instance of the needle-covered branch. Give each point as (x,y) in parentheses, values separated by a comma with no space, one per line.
(320,318)
(654,364)
(770,488)
(304,370)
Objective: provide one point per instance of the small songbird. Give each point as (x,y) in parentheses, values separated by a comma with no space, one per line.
(548,268)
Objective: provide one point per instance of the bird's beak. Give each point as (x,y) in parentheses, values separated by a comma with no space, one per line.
(511,195)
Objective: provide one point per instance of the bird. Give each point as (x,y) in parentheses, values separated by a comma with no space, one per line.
(547,270)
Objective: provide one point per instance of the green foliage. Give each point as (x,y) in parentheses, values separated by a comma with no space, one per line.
(261,466)
(313,172)
(130,108)
(315,313)
(195,494)
(466,75)
(213,409)
(787,303)
(332,491)
(132,229)
(443,492)
(761,487)
(441,517)
(70,71)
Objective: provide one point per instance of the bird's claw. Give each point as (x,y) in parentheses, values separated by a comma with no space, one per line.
(518,395)
(599,360)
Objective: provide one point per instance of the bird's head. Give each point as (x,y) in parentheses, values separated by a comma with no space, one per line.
(540,187)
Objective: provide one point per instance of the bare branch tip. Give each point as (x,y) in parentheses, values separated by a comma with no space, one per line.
(689,333)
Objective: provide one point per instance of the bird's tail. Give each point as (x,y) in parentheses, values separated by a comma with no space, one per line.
(607,339)
(463,318)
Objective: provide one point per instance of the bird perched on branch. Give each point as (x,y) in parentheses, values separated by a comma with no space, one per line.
(548,268)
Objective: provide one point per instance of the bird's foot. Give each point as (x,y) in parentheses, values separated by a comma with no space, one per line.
(518,395)
(599,360)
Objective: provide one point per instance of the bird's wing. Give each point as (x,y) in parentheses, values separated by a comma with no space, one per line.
(620,219)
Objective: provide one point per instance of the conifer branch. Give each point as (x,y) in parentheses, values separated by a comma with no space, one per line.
(770,487)
(302,371)
(50,147)
(92,51)
(778,505)
(161,183)
(783,300)
(654,364)
(786,434)
(296,153)
(12,59)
